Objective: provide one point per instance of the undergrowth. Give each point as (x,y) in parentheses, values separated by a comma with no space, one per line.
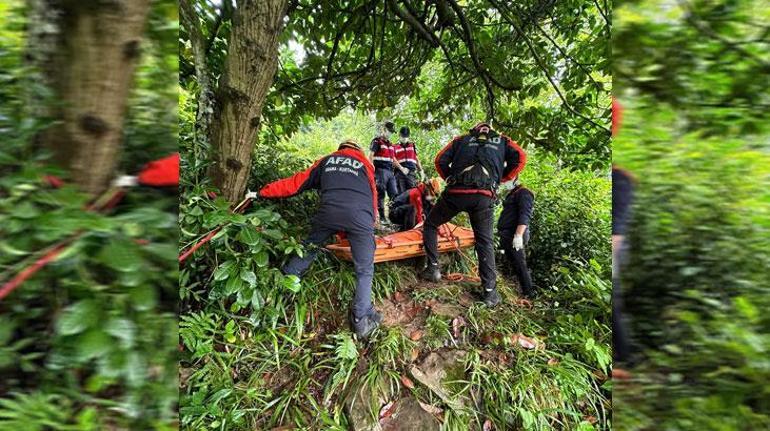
(263,350)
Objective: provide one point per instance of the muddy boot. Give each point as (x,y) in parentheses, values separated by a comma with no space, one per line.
(491,298)
(431,273)
(364,326)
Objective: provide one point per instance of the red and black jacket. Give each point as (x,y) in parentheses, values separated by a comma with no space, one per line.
(414,197)
(384,152)
(406,154)
(345,181)
(501,153)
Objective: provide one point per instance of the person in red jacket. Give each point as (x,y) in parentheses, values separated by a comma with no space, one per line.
(406,154)
(383,156)
(411,207)
(345,181)
(473,166)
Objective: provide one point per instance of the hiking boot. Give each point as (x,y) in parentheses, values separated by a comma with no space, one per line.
(364,326)
(491,298)
(431,273)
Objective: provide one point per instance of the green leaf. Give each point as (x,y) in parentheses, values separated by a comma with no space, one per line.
(77,318)
(224,270)
(122,329)
(121,255)
(292,283)
(248,276)
(249,235)
(93,344)
(262,259)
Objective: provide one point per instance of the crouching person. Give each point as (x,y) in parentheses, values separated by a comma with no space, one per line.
(345,181)
(411,207)
(513,230)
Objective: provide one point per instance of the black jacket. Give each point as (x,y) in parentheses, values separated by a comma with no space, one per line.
(501,157)
(517,209)
(622,197)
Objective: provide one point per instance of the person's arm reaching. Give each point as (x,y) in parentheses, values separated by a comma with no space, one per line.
(515,159)
(295,184)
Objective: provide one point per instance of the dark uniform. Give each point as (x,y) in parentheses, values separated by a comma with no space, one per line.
(384,153)
(410,208)
(517,211)
(345,181)
(473,166)
(406,154)
(622,197)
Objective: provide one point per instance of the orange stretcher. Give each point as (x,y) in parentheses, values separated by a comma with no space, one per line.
(407,244)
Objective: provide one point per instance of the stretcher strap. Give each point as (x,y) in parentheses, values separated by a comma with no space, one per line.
(105,202)
(206,238)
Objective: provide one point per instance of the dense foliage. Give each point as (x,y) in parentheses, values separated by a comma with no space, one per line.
(537,69)
(696,137)
(263,350)
(89,342)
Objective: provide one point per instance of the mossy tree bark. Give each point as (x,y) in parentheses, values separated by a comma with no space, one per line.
(249,71)
(91,75)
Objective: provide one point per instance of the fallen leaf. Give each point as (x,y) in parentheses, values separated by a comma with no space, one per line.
(430,408)
(399,297)
(415,354)
(416,335)
(406,381)
(524,341)
(457,325)
(502,358)
(487,425)
(591,419)
(387,410)
(552,362)
(521,302)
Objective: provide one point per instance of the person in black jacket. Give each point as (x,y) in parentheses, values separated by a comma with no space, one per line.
(513,231)
(473,166)
(345,181)
(622,198)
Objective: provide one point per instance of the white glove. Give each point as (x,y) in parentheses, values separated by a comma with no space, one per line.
(125,181)
(404,170)
(518,242)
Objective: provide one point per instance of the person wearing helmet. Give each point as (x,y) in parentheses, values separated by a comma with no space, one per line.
(473,165)
(406,154)
(513,231)
(383,156)
(345,182)
(411,207)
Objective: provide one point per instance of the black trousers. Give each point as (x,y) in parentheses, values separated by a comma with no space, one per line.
(480,211)
(517,259)
(404,216)
(621,335)
(385,182)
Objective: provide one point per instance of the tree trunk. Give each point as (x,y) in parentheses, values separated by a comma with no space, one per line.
(97,53)
(249,70)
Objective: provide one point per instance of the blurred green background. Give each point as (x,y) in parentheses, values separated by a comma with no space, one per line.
(693,77)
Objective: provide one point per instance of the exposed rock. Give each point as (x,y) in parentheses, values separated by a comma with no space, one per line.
(408,415)
(438,368)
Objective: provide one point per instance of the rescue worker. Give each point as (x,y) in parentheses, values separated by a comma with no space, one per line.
(345,181)
(473,166)
(411,207)
(622,199)
(383,156)
(622,196)
(513,231)
(406,154)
